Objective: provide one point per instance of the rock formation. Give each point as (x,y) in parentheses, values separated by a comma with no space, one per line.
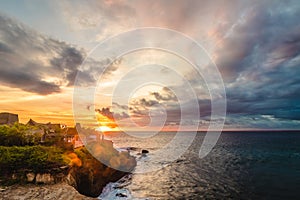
(90,175)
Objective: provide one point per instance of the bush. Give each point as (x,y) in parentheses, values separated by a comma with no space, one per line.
(18,135)
(36,158)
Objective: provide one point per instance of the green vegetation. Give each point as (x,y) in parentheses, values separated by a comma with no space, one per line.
(19,135)
(21,149)
(36,158)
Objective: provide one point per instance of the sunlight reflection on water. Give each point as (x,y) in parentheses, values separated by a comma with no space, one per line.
(241,166)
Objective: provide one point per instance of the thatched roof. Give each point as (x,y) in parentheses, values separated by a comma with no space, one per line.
(31,122)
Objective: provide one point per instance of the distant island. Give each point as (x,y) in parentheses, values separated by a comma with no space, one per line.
(35,154)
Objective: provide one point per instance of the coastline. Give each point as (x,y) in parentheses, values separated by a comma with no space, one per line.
(84,177)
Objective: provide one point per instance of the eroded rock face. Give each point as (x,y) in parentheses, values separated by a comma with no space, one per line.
(30,177)
(92,176)
(46,178)
(85,173)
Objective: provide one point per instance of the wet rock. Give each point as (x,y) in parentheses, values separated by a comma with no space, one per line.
(179,160)
(144,151)
(121,195)
(133,149)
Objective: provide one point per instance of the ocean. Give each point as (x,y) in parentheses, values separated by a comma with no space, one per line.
(242,165)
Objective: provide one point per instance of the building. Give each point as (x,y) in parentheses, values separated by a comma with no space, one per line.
(49,125)
(78,136)
(8,118)
(73,137)
(47,130)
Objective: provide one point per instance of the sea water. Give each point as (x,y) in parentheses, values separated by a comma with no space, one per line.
(243,165)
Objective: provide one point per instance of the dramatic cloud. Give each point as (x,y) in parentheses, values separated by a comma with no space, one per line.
(256,48)
(167,95)
(255,45)
(39,64)
(19,67)
(27,82)
(111,115)
(258,40)
(68,62)
(264,77)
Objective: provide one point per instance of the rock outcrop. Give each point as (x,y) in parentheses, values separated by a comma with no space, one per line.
(87,172)
(90,176)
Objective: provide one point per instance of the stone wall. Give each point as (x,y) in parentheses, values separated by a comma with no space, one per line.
(8,118)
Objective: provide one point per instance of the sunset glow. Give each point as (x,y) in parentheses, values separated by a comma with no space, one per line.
(149,99)
(42,58)
(105,129)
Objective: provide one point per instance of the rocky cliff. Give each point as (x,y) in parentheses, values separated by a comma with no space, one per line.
(85,172)
(89,176)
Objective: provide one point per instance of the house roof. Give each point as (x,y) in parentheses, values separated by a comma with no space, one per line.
(49,125)
(31,122)
(72,131)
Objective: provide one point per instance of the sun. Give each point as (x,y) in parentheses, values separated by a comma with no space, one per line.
(106,124)
(104,129)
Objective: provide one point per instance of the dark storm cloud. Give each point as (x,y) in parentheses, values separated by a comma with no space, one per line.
(258,55)
(256,48)
(264,33)
(141,108)
(146,103)
(118,106)
(106,112)
(27,82)
(39,64)
(165,95)
(68,62)
(18,68)
(112,115)
(259,60)
(268,82)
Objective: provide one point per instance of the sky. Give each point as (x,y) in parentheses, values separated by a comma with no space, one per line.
(255,46)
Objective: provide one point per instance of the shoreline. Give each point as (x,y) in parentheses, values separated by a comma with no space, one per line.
(86,175)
